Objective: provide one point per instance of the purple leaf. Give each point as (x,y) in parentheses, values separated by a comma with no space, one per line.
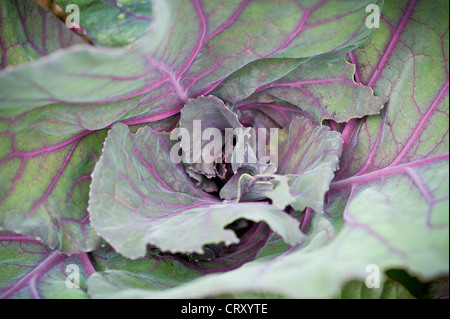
(139,196)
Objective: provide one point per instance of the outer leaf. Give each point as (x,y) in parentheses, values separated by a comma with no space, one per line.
(415,126)
(45,166)
(242,83)
(139,197)
(401,218)
(190,52)
(113,281)
(166,270)
(28,32)
(397,213)
(153,272)
(323,88)
(408,144)
(45,180)
(113,22)
(319,232)
(30,270)
(250,247)
(394,290)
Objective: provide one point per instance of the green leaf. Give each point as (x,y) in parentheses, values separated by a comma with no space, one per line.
(154,272)
(322,87)
(387,206)
(394,290)
(358,290)
(28,32)
(113,23)
(398,161)
(389,290)
(45,181)
(32,271)
(112,283)
(158,271)
(139,196)
(45,166)
(414,126)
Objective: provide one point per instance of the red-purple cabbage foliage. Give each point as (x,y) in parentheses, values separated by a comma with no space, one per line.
(88,187)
